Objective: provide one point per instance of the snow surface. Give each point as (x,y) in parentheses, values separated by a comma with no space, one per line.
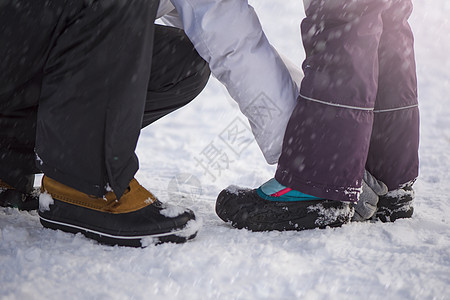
(172,211)
(45,200)
(408,259)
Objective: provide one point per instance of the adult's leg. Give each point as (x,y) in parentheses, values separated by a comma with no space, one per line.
(327,139)
(17,139)
(178,74)
(93,95)
(90,114)
(25,38)
(393,152)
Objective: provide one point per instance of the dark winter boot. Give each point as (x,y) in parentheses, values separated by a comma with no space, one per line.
(136,219)
(10,197)
(258,211)
(395,205)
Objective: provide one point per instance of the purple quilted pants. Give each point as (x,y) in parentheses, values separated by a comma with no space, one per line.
(358,100)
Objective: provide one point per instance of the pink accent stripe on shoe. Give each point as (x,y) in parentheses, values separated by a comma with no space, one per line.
(281,193)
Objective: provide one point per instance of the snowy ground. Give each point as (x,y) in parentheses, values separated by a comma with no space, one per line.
(408,259)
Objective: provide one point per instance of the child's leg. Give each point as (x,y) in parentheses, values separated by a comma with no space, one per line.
(327,139)
(393,153)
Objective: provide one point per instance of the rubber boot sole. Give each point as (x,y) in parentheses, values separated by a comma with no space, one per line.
(178,236)
(246,209)
(140,228)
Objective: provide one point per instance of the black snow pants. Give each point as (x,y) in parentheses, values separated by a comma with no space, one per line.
(358,100)
(78,80)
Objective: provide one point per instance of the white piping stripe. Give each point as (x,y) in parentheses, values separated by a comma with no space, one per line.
(394,109)
(113,236)
(337,105)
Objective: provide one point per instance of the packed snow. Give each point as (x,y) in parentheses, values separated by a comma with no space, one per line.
(172,211)
(408,259)
(45,200)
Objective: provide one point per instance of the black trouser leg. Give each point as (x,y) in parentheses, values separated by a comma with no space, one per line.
(17,157)
(25,39)
(84,113)
(178,74)
(85,66)
(93,96)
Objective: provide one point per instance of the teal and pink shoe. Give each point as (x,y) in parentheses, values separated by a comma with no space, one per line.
(274,206)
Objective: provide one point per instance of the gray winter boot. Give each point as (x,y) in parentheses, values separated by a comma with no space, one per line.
(376,203)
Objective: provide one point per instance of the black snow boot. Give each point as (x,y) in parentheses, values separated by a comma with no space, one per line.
(395,205)
(10,197)
(246,208)
(137,219)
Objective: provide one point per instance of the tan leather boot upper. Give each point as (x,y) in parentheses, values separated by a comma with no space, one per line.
(4,185)
(134,198)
